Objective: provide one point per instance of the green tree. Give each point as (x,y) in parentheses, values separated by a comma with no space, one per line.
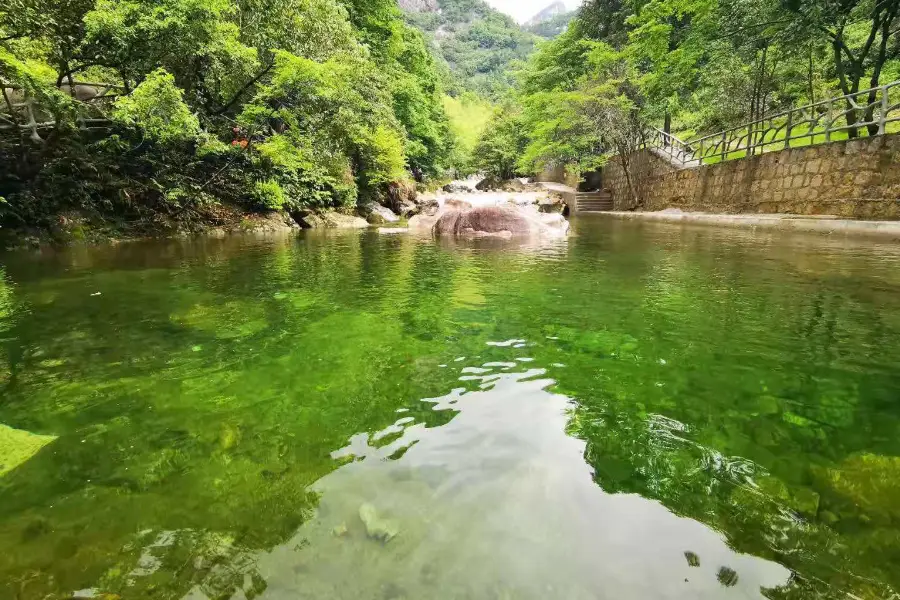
(157,109)
(326,129)
(498,151)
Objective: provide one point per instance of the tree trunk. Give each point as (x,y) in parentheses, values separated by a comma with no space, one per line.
(626,168)
(812,89)
(880,59)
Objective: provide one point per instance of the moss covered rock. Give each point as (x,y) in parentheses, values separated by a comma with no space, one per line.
(869,481)
(17,446)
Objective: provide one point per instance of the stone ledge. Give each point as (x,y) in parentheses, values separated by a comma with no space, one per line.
(826,224)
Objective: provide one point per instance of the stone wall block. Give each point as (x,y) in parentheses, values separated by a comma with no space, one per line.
(852,178)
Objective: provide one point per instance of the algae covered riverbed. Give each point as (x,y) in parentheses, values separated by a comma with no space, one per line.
(639,411)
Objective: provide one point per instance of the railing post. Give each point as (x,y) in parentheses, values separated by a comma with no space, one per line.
(827,123)
(885,106)
(787,129)
(724,145)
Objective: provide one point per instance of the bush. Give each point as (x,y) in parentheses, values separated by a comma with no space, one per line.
(157,108)
(269,194)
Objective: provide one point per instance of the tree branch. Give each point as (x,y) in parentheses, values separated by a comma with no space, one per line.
(243,90)
(873,33)
(837,38)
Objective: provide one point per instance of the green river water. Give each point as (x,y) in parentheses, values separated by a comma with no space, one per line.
(640,411)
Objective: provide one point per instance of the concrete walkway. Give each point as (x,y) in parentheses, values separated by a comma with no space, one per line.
(820,224)
(556,187)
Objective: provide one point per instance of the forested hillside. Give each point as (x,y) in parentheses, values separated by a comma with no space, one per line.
(479,45)
(701,65)
(168,113)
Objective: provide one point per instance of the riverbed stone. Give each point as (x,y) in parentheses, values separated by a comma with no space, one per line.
(17,446)
(377,527)
(869,482)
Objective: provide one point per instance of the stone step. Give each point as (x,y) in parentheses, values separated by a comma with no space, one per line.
(594,205)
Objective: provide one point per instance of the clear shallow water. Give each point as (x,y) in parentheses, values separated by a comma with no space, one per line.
(558,421)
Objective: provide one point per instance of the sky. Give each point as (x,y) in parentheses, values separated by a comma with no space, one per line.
(522,10)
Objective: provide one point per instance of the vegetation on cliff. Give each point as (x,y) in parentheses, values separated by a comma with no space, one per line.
(208,104)
(479,45)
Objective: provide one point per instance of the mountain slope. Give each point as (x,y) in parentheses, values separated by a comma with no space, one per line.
(479,44)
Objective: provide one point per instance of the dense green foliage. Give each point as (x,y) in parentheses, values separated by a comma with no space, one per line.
(254,103)
(501,144)
(703,65)
(469,114)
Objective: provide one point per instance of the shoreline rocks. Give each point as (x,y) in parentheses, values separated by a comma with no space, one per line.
(330,220)
(376,214)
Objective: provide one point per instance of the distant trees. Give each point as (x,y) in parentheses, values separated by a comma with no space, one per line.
(501,145)
(701,65)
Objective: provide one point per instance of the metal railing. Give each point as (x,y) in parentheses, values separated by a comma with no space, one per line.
(677,150)
(21,112)
(861,114)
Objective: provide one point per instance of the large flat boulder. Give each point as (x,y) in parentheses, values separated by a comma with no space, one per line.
(500,221)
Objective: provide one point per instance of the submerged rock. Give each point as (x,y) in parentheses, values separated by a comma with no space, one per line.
(867,482)
(382,530)
(17,446)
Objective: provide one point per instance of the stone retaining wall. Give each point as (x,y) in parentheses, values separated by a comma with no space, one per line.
(558,174)
(857,179)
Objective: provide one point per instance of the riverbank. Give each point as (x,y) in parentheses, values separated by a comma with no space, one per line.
(218,220)
(824,224)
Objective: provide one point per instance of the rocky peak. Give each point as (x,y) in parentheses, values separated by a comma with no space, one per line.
(557,8)
(417,6)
